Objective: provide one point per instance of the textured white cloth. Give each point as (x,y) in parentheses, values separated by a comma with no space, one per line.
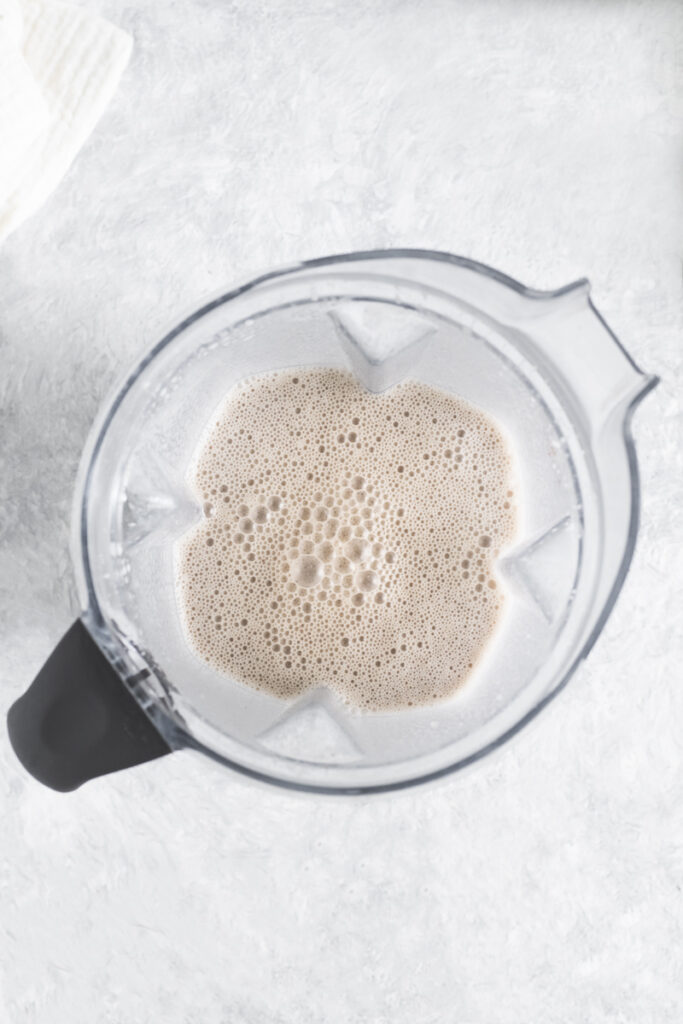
(59,67)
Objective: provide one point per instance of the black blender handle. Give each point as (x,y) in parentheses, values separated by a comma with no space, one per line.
(78,720)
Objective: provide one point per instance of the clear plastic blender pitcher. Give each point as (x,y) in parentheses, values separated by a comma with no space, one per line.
(123,686)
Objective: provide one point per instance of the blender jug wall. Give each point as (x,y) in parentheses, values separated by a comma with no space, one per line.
(543,365)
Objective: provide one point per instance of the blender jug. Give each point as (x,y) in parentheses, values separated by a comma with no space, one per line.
(123,686)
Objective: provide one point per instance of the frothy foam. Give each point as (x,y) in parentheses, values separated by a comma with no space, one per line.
(349,539)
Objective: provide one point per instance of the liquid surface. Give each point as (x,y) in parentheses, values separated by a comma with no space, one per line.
(349,539)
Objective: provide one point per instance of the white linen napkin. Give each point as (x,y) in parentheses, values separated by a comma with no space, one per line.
(59,67)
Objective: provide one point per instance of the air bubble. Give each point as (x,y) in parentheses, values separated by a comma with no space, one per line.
(307,571)
(326,551)
(367,580)
(357,550)
(330,527)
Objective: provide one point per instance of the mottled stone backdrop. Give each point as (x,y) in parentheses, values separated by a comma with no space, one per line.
(544,886)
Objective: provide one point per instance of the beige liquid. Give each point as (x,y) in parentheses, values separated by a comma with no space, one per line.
(349,539)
